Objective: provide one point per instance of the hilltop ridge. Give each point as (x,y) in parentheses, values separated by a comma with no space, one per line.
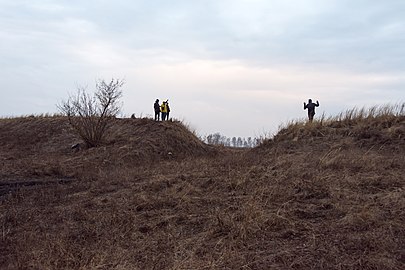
(42,145)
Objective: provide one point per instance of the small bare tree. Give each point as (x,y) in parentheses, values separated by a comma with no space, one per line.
(91,116)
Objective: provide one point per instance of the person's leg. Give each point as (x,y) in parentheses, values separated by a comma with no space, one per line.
(311,117)
(167,116)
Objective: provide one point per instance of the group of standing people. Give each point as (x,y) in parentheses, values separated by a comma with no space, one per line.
(161,109)
(164,109)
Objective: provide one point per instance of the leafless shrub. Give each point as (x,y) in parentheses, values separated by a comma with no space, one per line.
(90,116)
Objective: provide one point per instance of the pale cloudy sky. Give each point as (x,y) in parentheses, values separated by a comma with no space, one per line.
(239,67)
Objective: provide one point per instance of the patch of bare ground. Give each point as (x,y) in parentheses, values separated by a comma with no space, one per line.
(331,199)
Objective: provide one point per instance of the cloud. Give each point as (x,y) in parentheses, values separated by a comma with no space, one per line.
(361,35)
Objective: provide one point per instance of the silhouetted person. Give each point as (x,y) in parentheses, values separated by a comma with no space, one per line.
(163,110)
(168,110)
(311,109)
(156,106)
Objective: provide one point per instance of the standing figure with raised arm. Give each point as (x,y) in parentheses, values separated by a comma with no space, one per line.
(311,109)
(168,110)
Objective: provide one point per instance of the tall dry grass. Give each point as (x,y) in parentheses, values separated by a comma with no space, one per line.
(356,121)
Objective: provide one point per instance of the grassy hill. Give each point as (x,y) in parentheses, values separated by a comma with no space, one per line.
(326,195)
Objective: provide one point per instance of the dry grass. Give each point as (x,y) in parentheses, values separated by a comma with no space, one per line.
(331,199)
(379,121)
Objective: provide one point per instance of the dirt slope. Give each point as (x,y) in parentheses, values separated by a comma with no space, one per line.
(321,196)
(41,146)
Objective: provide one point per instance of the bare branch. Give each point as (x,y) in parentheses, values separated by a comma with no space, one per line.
(90,115)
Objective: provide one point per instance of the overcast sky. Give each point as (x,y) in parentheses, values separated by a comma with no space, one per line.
(238,67)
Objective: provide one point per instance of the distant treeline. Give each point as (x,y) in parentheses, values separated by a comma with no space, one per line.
(219,139)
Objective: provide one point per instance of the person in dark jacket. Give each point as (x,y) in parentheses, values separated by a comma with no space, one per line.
(311,109)
(156,107)
(168,110)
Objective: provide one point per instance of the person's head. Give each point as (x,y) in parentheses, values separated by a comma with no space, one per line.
(157,101)
(309,100)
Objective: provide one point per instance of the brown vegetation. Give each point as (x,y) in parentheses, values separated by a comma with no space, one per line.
(92,116)
(326,195)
